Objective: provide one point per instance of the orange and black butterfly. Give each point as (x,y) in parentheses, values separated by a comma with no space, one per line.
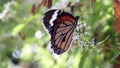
(60,25)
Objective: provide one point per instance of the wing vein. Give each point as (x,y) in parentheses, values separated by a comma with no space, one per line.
(71,30)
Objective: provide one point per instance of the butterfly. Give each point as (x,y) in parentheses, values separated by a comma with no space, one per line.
(60,25)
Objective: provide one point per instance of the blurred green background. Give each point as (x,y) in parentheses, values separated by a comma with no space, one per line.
(24,42)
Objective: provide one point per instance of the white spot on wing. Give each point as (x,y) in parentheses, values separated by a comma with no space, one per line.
(54,17)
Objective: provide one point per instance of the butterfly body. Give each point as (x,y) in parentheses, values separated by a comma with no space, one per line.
(60,25)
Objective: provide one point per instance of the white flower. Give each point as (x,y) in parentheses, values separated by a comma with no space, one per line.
(7,12)
(61,5)
(38,34)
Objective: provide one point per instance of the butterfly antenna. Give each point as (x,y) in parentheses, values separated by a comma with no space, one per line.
(81,26)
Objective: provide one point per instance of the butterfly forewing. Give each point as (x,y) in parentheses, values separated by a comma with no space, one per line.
(61,27)
(46,19)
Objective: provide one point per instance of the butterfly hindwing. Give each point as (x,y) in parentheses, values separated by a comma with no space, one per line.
(62,39)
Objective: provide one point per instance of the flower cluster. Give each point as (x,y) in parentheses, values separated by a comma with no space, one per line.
(7,12)
(79,36)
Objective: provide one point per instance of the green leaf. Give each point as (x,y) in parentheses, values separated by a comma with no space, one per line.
(83,59)
(17,29)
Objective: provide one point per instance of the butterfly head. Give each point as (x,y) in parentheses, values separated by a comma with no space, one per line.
(77,17)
